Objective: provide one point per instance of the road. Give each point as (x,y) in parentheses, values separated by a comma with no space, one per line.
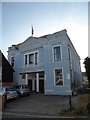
(37,106)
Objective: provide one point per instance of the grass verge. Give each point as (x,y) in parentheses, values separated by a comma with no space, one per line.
(75,112)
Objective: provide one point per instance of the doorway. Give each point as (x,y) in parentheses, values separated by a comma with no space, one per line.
(36,82)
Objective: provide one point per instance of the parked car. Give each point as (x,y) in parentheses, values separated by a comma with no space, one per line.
(22,90)
(9,91)
(1,92)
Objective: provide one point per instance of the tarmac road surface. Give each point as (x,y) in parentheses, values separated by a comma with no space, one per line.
(36,105)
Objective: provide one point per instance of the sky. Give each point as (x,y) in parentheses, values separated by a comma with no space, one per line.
(46,18)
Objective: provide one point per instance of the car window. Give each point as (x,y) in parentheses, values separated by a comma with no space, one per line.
(21,86)
(17,87)
(1,89)
(10,89)
(24,86)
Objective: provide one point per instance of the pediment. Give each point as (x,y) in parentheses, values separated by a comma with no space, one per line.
(32,41)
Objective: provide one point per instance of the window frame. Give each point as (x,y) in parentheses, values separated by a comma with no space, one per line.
(36,61)
(60,53)
(31,62)
(25,60)
(55,77)
(33,59)
(23,76)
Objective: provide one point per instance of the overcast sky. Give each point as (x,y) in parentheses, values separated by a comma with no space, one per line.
(46,18)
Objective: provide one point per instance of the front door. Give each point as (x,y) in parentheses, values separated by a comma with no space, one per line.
(41,86)
(30,84)
(41,82)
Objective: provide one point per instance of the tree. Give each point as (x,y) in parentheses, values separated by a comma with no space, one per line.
(87,67)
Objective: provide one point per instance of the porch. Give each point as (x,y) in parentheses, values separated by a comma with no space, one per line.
(35,80)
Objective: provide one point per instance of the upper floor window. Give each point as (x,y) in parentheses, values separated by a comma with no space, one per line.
(31,58)
(57,53)
(58,77)
(12,61)
(36,58)
(25,59)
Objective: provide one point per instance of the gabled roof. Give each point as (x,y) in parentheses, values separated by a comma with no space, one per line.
(40,38)
(47,37)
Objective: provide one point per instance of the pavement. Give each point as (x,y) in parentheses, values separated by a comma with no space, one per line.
(37,106)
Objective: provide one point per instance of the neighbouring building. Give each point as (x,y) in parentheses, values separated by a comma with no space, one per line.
(48,64)
(6,71)
(0,69)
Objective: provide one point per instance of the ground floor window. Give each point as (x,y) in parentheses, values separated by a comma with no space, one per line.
(23,76)
(58,77)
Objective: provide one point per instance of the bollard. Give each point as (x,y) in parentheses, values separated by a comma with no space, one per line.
(88,108)
(70,102)
(4,101)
